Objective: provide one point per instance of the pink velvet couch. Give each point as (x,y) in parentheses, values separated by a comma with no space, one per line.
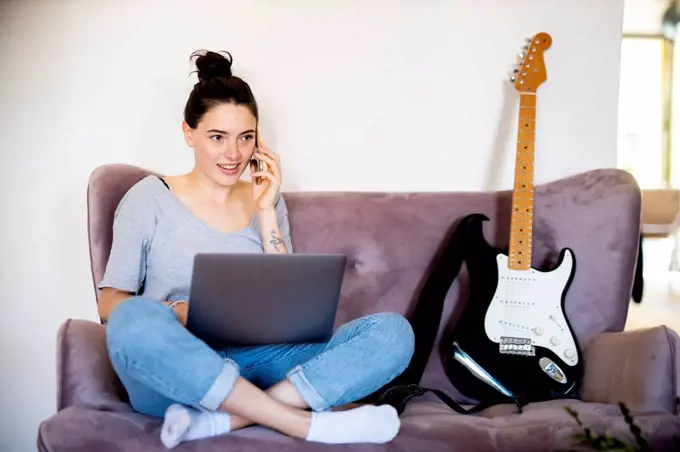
(391,239)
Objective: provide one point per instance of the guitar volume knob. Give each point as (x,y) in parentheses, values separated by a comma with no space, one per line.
(538,330)
(555,340)
(569,353)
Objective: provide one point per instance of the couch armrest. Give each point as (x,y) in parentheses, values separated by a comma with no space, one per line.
(84,372)
(639,368)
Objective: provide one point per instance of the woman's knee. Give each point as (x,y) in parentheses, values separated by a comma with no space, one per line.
(132,319)
(395,339)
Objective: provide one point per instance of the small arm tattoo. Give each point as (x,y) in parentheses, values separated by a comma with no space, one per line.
(275,241)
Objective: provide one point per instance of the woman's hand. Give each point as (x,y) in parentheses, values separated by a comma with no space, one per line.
(264,196)
(181,309)
(264,193)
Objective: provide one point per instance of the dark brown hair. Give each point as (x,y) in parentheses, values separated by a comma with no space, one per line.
(216,85)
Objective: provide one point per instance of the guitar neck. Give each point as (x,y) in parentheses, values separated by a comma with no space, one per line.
(523,192)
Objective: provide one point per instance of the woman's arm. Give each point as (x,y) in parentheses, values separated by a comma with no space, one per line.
(272,238)
(133,229)
(270,206)
(110,298)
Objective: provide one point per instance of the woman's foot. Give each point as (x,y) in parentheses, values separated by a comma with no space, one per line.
(367,424)
(183,423)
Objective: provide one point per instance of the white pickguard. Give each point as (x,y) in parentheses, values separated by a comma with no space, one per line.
(527,304)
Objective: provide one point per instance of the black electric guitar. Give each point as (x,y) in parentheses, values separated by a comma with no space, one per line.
(513,340)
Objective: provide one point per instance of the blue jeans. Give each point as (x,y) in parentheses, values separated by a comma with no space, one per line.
(160,362)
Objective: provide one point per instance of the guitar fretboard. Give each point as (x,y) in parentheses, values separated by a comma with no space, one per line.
(523,192)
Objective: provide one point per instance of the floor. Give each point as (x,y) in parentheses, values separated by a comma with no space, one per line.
(661,298)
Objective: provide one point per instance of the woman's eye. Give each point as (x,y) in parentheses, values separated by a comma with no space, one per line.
(247,137)
(216,137)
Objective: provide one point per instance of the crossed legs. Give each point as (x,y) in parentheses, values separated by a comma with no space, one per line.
(163,365)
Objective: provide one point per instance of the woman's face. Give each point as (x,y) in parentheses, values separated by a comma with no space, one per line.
(223,142)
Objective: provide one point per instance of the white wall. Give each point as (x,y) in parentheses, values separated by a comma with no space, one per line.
(392,95)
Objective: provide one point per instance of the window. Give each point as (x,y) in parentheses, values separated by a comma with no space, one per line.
(641,104)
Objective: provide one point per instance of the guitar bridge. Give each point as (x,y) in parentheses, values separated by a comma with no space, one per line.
(516,346)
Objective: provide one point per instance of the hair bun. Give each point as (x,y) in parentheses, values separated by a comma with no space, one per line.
(212,65)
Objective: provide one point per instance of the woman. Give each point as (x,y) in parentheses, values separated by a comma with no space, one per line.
(159,226)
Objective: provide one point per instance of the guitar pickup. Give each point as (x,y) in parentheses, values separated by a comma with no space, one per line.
(516,346)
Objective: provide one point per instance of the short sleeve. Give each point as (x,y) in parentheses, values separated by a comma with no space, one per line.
(133,227)
(284,223)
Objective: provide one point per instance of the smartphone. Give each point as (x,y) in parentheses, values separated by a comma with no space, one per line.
(257,165)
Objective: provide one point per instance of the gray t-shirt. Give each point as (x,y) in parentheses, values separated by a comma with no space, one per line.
(155,239)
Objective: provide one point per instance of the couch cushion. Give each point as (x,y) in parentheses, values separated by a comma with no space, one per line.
(431,427)
(637,367)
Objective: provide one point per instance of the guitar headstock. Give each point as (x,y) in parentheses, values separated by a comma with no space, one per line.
(530,72)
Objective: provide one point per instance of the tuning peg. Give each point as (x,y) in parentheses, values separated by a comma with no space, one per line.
(513,78)
(515,71)
(521,55)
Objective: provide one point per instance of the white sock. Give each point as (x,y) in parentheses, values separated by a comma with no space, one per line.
(184,423)
(367,424)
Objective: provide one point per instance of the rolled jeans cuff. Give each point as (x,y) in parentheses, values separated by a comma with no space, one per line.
(310,395)
(221,387)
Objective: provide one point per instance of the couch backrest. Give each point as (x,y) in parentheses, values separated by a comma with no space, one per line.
(391,240)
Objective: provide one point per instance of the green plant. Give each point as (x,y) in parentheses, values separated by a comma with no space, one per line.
(607,442)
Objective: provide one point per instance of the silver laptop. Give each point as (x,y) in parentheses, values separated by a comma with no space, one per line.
(255,299)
